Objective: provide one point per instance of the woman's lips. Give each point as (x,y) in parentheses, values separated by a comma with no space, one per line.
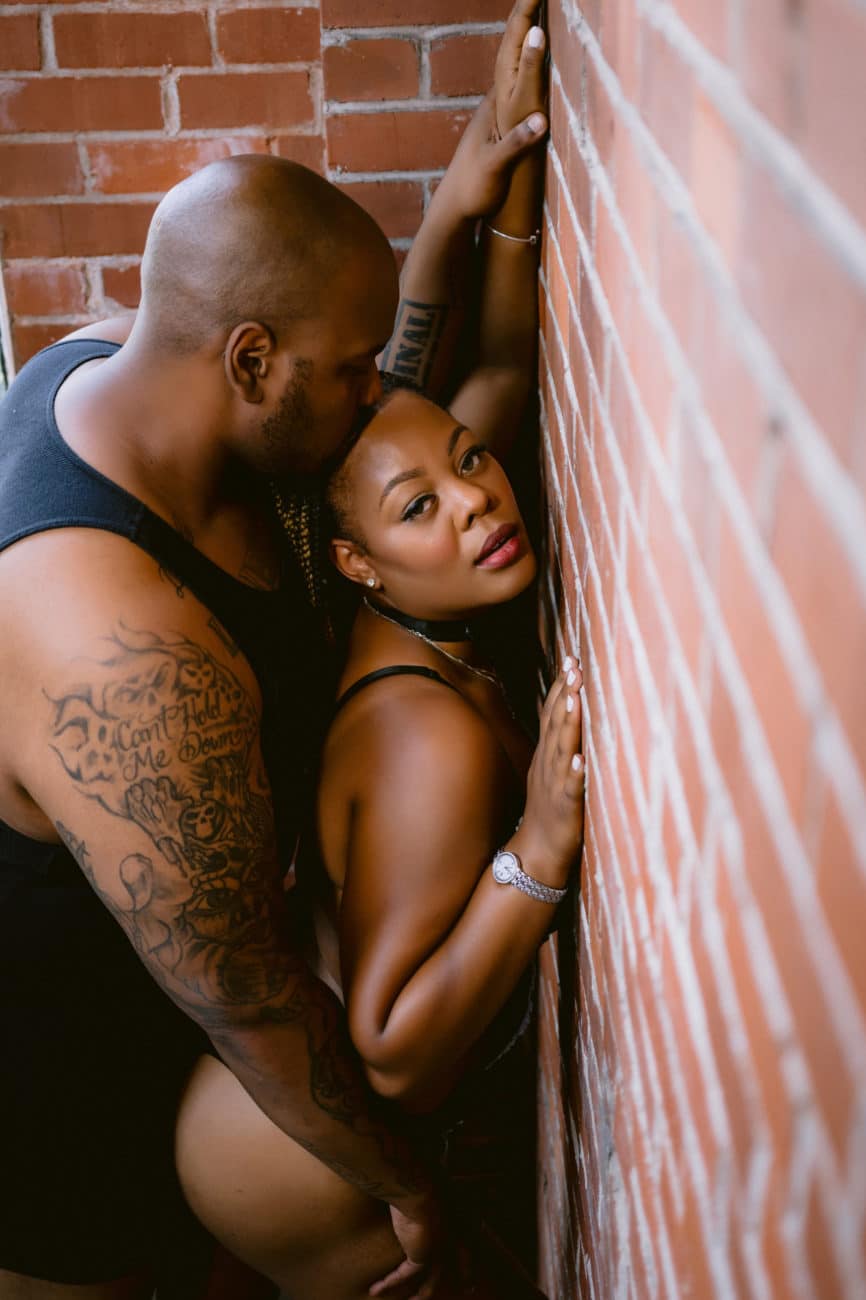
(501,549)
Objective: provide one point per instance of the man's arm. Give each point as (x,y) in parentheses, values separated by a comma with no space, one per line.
(143,749)
(437,273)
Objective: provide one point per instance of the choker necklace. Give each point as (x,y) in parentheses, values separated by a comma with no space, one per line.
(431,631)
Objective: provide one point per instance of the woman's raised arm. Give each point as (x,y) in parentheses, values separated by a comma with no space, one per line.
(431,945)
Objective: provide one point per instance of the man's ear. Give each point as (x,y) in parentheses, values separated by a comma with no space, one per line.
(350,560)
(249,359)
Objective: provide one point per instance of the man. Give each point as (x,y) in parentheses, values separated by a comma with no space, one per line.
(149,758)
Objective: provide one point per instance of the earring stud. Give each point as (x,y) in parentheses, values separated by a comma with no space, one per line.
(371,582)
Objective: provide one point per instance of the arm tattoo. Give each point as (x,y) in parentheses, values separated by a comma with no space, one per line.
(165,737)
(412,347)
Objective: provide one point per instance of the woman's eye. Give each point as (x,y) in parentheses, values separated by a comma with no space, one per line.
(419,506)
(472,458)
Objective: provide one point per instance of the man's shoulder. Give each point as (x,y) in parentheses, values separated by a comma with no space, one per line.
(66,589)
(116,329)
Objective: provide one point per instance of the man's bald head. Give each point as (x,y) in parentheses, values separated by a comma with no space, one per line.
(249,238)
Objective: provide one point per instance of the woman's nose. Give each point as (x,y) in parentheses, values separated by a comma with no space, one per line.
(474,501)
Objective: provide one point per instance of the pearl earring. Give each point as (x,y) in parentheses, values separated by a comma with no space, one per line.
(371,582)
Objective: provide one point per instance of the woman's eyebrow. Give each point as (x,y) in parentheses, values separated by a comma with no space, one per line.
(398,479)
(418,471)
(455,435)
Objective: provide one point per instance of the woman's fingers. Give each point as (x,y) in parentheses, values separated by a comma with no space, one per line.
(529,85)
(508,55)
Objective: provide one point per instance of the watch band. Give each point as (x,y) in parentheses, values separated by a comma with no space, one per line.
(508,870)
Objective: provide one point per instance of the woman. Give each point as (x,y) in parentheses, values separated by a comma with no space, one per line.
(422,782)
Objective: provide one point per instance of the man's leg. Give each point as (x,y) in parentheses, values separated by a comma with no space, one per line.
(14,1286)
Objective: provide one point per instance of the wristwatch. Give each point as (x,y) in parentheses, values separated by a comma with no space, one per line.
(508,870)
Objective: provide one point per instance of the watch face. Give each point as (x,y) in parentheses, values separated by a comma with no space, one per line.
(505,867)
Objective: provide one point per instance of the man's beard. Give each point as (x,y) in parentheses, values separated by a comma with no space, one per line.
(288,432)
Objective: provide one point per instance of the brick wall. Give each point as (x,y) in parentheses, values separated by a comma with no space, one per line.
(703,371)
(103,106)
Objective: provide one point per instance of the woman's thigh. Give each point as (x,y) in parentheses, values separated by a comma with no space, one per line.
(271,1203)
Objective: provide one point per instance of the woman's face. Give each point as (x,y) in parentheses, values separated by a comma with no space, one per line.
(442,535)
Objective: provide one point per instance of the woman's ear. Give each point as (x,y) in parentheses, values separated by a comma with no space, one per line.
(350,560)
(249,357)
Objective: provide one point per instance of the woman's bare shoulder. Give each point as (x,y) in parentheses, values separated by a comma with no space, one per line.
(402,723)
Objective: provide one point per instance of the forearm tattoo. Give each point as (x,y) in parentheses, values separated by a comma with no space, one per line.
(412,347)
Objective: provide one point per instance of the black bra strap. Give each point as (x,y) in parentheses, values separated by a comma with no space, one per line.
(395,670)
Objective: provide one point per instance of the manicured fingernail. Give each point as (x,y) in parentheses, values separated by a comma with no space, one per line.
(535,39)
(569,703)
(572,677)
(576,763)
(566,663)
(537,123)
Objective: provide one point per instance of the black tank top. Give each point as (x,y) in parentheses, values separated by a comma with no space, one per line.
(44,485)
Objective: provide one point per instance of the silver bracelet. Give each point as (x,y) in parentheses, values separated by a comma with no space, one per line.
(515,239)
(508,870)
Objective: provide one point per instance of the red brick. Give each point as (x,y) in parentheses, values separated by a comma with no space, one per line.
(814,319)
(650,370)
(413,141)
(770,62)
(614,270)
(802,975)
(306,149)
(834,102)
(841,884)
(397,205)
(27,340)
(708,19)
(246,99)
(674,574)
(74,229)
(566,54)
(153,166)
(371,70)
(87,104)
(122,285)
(827,1268)
(636,200)
(763,1052)
(667,98)
(734,402)
(716,179)
(42,289)
(235,99)
(827,596)
(736,1078)
(463,64)
(744,610)
(131,40)
(600,114)
(406,13)
(269,35)
(19,42)
(33,170)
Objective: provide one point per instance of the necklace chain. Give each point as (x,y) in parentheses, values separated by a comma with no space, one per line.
(455,659)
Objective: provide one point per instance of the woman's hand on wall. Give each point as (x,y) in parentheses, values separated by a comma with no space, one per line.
(552,829)
(520,82)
